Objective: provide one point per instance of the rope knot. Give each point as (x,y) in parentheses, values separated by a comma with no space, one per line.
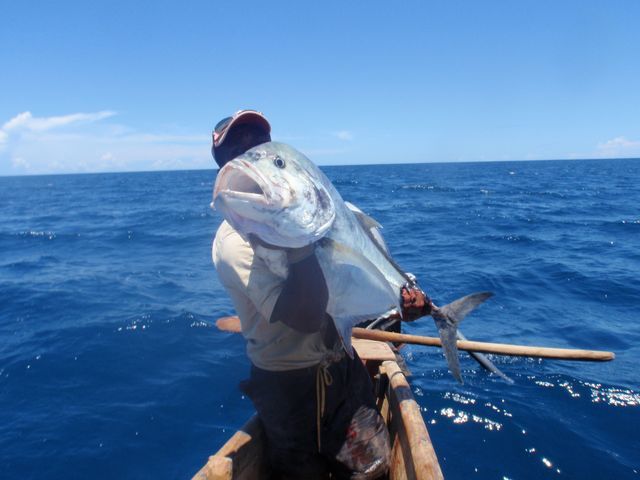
(323,380)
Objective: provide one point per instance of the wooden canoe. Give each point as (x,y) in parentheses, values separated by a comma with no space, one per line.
(243,456)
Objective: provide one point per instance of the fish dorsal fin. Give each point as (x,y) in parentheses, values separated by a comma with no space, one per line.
(375,236)
(365,220)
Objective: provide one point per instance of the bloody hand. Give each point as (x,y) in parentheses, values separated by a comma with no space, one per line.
(415,303)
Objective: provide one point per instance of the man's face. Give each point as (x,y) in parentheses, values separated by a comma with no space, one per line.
(238,141)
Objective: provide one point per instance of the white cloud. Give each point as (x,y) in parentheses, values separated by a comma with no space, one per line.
(81,142)
(18,162)
(344,135)
(27,121)
(619,147)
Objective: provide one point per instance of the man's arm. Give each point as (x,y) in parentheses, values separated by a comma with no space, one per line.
(303,300)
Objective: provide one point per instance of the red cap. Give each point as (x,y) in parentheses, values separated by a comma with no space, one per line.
(241,117)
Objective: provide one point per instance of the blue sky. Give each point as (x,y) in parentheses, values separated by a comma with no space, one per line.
(118,86)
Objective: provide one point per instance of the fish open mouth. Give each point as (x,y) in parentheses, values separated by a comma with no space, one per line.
(239,180)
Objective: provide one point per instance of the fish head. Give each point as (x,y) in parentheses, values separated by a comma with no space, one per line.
(276,193)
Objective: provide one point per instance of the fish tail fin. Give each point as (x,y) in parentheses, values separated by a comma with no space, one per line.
(447,319)
(487,364)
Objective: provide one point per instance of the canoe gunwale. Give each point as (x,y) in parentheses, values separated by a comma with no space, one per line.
(243,456)
(412,452)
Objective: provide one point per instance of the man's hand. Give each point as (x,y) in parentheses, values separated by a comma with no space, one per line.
(302,303)
(415,304)
(295,255)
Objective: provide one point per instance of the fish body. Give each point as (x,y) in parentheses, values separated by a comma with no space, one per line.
(277,194)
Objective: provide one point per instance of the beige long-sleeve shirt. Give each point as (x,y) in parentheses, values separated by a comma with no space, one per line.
(254,289)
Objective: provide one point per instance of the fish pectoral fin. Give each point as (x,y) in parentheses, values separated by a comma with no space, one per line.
(365,220)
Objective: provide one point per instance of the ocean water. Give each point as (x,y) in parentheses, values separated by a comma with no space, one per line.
(110,366)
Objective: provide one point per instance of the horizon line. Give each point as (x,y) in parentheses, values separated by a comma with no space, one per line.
(460,162)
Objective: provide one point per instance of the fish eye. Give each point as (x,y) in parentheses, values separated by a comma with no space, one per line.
(278,162)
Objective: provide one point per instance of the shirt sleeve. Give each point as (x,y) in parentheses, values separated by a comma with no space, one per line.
(245,276)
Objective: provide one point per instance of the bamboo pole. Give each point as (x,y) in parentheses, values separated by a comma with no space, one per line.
(232,324)
(485,347)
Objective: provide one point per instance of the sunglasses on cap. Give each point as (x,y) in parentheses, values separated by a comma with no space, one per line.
(220,130)
(221,126)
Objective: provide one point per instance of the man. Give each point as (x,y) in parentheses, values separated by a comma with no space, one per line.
(316,403)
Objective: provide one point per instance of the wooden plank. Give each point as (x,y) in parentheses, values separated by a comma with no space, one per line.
(243,456)
(373,350)
(412,454)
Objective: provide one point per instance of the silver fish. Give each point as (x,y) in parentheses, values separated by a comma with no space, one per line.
(276,193)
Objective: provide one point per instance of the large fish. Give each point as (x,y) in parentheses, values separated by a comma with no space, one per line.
(276,193)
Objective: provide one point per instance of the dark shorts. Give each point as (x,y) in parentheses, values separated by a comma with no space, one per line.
(286,403)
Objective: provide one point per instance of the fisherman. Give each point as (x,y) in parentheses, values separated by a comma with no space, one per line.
(316,403)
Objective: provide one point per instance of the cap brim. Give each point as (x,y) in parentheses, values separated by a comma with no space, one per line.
(244,118)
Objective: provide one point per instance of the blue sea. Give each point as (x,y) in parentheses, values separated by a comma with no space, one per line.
(111,367)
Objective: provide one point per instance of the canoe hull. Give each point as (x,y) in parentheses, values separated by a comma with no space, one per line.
(243,456)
